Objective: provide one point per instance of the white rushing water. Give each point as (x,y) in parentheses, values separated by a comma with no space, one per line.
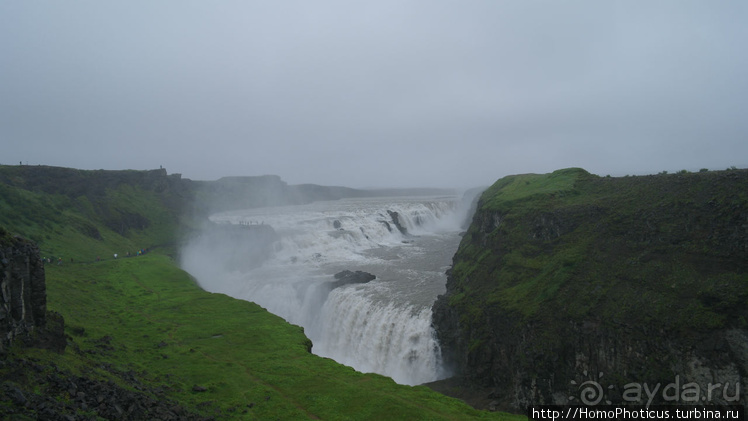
(383,326)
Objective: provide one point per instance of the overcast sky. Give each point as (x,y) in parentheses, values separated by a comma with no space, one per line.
(376,93)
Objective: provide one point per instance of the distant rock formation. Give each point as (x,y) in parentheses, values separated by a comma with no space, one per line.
(229,193)
(23,309)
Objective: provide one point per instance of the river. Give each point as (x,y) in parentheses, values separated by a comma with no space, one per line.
(383,326)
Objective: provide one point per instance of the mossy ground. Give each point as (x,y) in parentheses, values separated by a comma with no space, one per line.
(570,246)
(144,316)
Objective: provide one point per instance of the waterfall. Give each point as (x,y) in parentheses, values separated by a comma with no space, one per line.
(379,337)
(383,326)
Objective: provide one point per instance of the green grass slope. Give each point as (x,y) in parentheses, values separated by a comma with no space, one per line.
(252,364)
(144,325)
(629,276)
(627,249)
(87,214)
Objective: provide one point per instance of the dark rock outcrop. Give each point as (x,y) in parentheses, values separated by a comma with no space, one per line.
(23,308)
(348,277)
(567,280)
(386,225)
(65,396)
(396,221)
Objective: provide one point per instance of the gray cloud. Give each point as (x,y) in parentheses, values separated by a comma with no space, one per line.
(391,93)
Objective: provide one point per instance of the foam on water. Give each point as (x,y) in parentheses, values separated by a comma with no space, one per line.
(383,326)
(385,338)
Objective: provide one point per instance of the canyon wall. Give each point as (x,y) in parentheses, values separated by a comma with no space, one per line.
(571,288)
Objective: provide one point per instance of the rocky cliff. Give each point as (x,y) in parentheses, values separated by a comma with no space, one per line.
(573,288)
(23,309)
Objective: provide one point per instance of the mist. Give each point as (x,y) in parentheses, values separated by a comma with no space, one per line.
(359,274)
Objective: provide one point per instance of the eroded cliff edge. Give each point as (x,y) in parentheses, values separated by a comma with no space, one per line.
(23,294)
(567,278)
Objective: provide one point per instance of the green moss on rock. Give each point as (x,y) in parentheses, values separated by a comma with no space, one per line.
(549,258)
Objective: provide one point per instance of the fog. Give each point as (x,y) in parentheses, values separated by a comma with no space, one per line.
(376,94)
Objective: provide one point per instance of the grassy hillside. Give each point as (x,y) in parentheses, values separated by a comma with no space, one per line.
(143,325)
(628,248)
(84,214)
(568,273)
